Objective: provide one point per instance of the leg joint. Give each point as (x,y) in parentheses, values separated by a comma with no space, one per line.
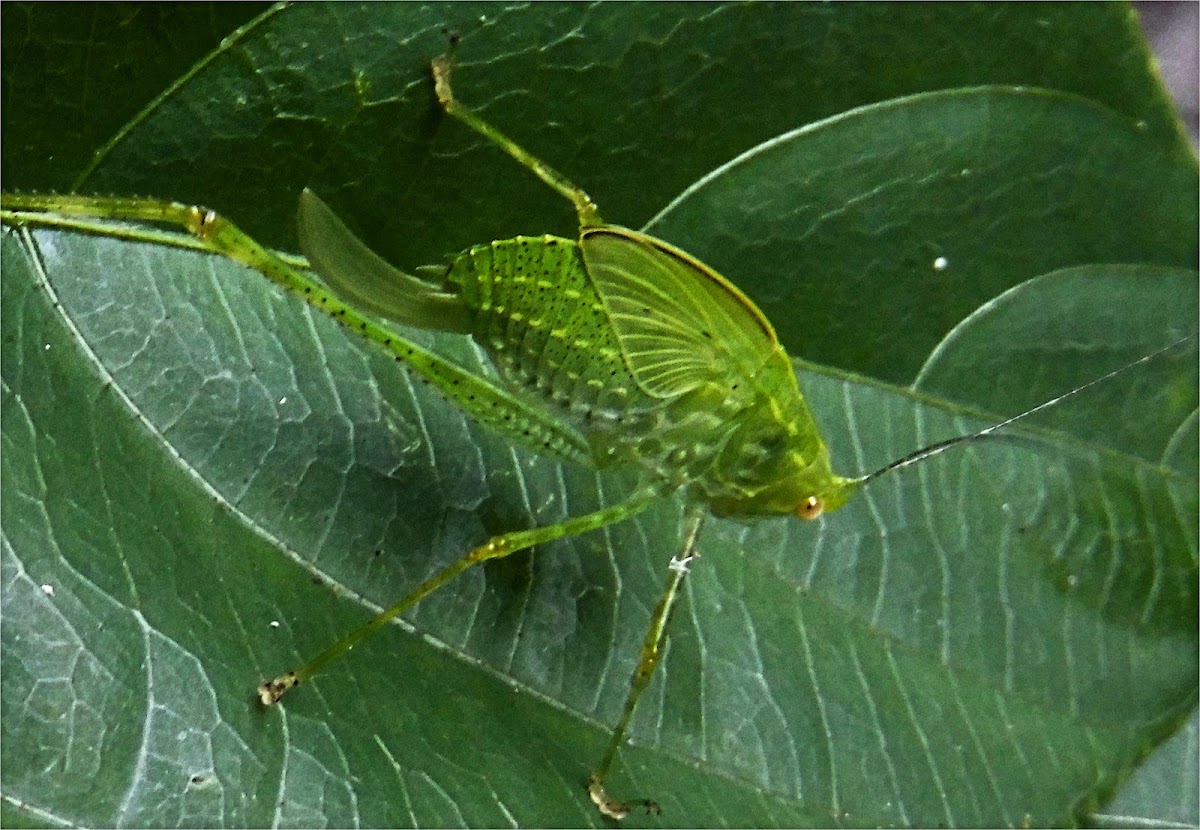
(494,548)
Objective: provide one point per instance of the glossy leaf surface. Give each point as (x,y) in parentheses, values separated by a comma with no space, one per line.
(998,637)
(946,593)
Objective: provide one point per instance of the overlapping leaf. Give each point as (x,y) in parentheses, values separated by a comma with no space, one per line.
(203,481)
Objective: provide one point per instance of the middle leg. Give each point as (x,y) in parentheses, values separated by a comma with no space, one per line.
(652,649)
(589,214)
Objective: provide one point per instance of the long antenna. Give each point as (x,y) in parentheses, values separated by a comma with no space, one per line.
(942,446)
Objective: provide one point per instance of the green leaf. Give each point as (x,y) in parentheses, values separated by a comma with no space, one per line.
(1162,791)
(959,195)
(878,668)
(1104,316)
(190,458)
(78,73)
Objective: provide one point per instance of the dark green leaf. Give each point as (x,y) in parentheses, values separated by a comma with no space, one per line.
(74,74)
(1093,316)
(635,105)
(955,195)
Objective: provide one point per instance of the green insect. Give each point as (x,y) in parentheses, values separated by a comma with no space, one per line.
(646,356)
(615,349)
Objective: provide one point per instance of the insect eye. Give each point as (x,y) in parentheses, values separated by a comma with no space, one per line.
(810,508)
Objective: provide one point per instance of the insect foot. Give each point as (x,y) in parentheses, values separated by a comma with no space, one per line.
(617,810)
(271,691)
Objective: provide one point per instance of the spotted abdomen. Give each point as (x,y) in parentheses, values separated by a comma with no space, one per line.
(540,319)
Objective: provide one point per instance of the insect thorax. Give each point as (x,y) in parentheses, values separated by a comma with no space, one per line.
(774,459)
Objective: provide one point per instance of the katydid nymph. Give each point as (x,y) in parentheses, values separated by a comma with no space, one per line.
(614,349)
